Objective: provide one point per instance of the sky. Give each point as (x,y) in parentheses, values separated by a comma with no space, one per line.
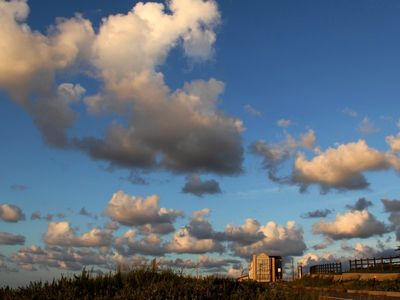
(196,132)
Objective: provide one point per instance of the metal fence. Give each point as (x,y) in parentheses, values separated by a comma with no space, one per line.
(375,264)
(333,268)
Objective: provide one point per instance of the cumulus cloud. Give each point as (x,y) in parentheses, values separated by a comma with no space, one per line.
(351,224)
(150,245)
(199,226)
(11,213)
(319,213)
(245,234)
(11,239)
(29,76)
(360,204)
(367,127)
(274,155)
(184,242)
(342,167)
(198,187)
(61,234)
(309,259)
(137,211)
(251,110)
(277,240)
(199,137)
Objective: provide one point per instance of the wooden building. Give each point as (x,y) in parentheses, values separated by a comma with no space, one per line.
(264,268)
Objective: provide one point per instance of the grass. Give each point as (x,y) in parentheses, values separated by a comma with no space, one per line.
(146,283)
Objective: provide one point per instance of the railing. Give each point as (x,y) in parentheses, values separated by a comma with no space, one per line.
(375,264)
(333,268)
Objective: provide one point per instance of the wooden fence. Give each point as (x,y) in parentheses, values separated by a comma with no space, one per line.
(375,264)
(333,268)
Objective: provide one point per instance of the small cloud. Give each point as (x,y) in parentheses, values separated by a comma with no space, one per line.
(367,127)
(37,215)
(11,239)
(135,178)
(349,112)
(284,123)
(18,187)
(194,185)
(360,204)
(84,212)
(317,214)
(252,111)
(11,213)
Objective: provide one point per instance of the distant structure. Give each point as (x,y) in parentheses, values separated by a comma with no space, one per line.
(264,268)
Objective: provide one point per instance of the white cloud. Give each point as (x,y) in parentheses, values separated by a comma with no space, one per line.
(184,242)
(11,213)
(342,167)
(247,233)
(61,234)
(278,240)
(352,224)
(149,245)
(284,122)
(124,55)
(137,211)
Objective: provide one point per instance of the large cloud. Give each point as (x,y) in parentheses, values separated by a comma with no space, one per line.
(340,168)
(11,239)
(28,76)
(61,234)
(11,213)
(196,186)
(137,211)
(181,130)
(352,224)
(277,240)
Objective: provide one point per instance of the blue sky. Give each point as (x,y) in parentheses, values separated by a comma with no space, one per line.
(237,117)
